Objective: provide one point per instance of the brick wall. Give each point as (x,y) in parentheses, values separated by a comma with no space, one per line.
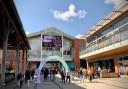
(77,44)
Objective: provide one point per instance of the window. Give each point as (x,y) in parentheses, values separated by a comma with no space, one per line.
(67,47)
(121,22)
(35,51)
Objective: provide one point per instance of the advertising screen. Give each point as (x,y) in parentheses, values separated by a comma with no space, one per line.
(51,41)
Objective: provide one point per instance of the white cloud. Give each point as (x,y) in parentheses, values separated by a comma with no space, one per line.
(79,36)
(114,2)
(68,14)
(27,32)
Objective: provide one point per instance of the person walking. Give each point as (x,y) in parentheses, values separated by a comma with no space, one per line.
(45,74)
(53,72)
(63,75)
(20,79)
(28,77)
(32,74)
(68,74)
(92,72)
(89,74)
(86,74)
(99,70)
(82,77)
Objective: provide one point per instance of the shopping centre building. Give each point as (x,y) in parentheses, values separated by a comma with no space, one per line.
(107,44)
(52,41)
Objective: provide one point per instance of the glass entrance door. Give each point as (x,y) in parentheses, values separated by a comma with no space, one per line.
(123,65)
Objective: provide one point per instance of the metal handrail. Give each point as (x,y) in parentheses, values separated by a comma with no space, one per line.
(115,36)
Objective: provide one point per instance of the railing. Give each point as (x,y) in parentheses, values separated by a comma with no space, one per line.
(45,54)
(51,53)
(117,35)
(68,57)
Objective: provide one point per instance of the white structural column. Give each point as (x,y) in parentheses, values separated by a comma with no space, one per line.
(41,46)
(62,48)
(62,45)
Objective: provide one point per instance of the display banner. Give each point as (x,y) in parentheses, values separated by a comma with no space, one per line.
(51,41)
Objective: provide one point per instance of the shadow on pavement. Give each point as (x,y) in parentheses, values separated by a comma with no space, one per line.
(93,82)
(67,85)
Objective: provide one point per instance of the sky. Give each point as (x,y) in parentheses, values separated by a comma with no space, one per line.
(74,17)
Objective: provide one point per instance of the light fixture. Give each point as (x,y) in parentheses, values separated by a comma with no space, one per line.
(107,19)
(116,11)
(98,25)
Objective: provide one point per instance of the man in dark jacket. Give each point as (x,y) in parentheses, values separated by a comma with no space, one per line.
(27,76)
(20,79)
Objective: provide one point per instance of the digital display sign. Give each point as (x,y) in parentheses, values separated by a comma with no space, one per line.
(51,41)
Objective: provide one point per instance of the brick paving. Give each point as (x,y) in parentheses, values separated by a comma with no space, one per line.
(104,83)
(11,85)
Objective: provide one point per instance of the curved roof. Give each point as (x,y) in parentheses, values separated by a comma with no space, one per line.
(51,31)
(11,12)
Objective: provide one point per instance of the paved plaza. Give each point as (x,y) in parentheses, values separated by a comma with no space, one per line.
(104,83)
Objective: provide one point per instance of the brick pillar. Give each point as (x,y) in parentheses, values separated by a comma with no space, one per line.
(17,61)
(23,61)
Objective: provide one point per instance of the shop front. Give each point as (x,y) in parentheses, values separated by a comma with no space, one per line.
(10,71)
(104,68)
(123,65)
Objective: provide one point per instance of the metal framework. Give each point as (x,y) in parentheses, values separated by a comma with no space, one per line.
(12,35)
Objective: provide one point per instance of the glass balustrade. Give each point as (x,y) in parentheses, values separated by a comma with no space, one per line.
(118,35)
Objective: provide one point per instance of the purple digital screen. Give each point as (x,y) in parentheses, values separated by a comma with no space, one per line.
(51,41)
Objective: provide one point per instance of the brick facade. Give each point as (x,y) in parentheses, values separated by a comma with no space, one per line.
(77,44)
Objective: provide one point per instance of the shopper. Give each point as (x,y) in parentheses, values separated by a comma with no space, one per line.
(32,74)
(20,79)
(82,77)
(28,76)
(68,74)
(51,75)
(99,70)
(53,72)
(63,73)
(89,74)
(92,72)
(86,73)
(46,73)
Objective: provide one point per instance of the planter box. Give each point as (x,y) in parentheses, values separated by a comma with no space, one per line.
(109,75)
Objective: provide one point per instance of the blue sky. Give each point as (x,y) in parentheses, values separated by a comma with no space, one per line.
(73,17)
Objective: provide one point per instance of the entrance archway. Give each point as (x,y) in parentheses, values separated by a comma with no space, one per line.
(50,58)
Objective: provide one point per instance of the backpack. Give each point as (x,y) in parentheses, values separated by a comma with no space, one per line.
(18,76)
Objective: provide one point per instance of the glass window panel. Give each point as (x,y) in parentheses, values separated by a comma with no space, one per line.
(35,48)
(121,22)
